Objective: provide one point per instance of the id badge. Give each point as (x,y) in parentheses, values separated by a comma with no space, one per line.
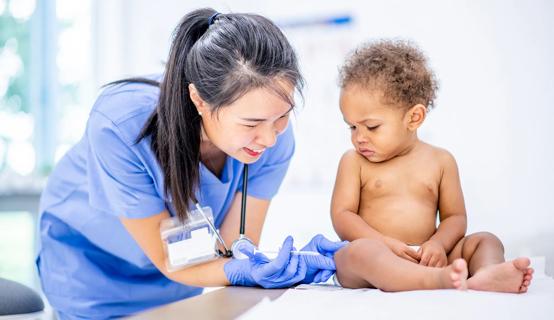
(190,242)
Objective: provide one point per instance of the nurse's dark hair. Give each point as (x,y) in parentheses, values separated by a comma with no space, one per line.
(224,60)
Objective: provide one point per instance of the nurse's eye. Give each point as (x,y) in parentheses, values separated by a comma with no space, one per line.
(352,127)
(250,125)
(372,128)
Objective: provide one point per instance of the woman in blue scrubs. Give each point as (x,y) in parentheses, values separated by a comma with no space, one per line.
(153,147)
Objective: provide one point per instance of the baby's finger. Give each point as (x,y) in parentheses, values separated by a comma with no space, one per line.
(412,253)
(408,257)
(433,261)
(424,259)
(441,263)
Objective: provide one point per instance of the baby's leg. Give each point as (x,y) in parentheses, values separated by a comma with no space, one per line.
(369,263)
(488,270)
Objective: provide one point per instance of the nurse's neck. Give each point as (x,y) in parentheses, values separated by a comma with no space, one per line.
(211,156)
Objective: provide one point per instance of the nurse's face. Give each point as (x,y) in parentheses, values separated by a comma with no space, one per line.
(249,126)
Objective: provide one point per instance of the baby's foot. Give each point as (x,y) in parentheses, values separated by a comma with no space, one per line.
(455,275)
(512,276)
(527,277)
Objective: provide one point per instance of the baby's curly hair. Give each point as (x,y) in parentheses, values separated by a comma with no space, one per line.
(396,67)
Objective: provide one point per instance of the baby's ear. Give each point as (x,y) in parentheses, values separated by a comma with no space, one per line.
(415,116)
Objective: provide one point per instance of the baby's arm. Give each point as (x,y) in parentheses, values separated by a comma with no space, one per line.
(452,212)
(346,199)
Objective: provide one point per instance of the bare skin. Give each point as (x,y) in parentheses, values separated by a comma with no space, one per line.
(390,188)
(367,263)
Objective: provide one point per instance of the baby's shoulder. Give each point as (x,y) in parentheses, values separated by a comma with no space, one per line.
(438,154)
(351,161)
(351,157)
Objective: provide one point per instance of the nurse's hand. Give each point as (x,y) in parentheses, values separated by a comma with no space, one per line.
(258,270)
(322,267)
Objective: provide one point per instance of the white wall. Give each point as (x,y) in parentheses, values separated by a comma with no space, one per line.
(493,60)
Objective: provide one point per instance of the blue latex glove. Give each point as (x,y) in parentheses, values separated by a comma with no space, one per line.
(258,270)
(322,267)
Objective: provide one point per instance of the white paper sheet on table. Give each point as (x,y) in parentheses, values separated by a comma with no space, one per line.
(537,303)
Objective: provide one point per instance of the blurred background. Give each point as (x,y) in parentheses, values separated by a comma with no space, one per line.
(494,109)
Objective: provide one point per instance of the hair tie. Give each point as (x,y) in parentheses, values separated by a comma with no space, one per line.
(211,20)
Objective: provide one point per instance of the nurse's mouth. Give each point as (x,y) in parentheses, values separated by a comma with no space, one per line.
(253,153)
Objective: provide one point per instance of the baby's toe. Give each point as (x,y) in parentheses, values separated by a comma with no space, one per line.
(522,263)
(527,277)
(523,289)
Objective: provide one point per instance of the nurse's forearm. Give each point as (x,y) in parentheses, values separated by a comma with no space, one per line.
(209,274)
(146,232)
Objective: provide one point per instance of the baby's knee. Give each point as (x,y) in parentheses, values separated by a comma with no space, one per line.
(485,237)
(357,252)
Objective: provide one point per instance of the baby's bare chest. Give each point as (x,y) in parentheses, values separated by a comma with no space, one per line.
(411,179)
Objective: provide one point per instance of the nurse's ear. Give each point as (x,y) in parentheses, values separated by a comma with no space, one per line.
(201,105)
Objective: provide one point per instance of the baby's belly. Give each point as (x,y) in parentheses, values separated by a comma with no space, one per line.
(411,222)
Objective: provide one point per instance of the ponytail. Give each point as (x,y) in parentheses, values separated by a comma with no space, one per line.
(175,125)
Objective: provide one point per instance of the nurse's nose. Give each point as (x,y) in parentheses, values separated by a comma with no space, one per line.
(267,136)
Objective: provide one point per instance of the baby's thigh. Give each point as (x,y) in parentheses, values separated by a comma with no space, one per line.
(351,262)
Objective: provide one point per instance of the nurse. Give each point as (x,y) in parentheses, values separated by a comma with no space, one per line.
(153,147)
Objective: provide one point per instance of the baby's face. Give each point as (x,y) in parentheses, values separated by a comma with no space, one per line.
(379,132)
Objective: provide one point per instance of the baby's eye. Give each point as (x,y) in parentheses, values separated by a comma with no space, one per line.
(250,125)
(352,127)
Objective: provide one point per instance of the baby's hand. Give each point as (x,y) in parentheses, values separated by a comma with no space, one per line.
(402,250)
(432,254)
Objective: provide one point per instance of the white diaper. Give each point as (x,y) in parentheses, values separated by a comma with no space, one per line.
(336,281)
(416,248)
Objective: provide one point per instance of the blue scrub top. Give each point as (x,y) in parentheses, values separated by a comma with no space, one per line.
(89,265)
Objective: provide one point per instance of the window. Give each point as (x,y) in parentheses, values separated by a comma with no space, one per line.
(45,82)
(45,94)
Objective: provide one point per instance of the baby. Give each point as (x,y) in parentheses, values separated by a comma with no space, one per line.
(390,186)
